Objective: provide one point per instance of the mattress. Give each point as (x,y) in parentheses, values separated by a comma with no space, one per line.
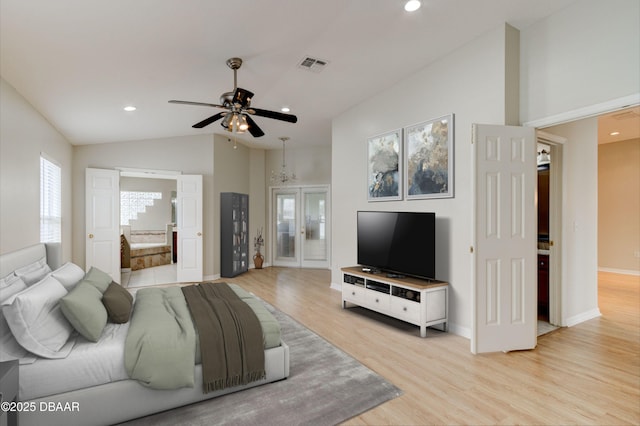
(88,364)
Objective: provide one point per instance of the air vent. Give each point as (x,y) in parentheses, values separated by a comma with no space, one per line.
(625,115)
(312,64)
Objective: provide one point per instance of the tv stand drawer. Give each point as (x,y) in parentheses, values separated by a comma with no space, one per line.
(405,310)
(377,301)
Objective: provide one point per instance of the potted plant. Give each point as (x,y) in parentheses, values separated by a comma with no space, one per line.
(258,242)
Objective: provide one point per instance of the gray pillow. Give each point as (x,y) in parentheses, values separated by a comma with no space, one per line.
(36,321)
(117,301)
(83,308)
(98,279)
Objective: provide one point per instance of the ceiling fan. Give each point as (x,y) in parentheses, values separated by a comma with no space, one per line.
(238,110)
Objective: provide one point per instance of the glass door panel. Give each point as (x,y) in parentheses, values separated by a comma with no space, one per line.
(300,227)
(286,227)
(314,245)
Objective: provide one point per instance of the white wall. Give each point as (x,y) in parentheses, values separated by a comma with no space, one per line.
(470,83)
(580,220)
(24,134)
(188,154)
(311,164)
(583,55)
(619,207)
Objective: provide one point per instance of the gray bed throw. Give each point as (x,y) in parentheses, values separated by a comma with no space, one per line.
(231,340)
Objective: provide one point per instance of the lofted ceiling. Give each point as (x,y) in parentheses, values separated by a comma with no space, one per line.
(80,62)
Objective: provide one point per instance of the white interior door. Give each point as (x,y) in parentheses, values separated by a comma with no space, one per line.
(505,241)
(189,224)
(102,239)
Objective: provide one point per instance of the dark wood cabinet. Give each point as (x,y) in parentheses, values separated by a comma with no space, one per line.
(543,285)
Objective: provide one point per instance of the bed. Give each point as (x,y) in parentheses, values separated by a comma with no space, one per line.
(90,383)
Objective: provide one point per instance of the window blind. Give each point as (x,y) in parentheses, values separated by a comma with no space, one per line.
(50,201)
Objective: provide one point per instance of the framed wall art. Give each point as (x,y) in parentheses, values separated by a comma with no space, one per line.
(429,158)
(384,166)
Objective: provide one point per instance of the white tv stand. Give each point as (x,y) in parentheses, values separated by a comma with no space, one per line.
(419,302)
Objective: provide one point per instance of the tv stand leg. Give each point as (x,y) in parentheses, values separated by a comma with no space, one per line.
(423,331)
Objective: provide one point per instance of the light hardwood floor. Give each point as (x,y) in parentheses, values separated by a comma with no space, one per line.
(586,374)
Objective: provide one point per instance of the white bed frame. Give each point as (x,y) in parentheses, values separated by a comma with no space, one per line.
(125,399)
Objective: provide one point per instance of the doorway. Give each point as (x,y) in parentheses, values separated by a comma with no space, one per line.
(148,230)
(300,226)
(549,197)
(104,242)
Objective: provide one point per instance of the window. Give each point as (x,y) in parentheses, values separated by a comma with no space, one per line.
(50,201)
(134,202)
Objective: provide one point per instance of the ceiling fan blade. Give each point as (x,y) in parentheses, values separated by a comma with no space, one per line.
(242,97)
(275,115)
(209,120)
(254,129)
(173,101)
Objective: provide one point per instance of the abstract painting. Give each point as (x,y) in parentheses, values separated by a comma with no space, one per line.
(384,163)
(429,158)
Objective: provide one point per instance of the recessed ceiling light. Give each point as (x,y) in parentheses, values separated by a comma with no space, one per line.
(130,108)
(285,109)
(412,5)
(614,133)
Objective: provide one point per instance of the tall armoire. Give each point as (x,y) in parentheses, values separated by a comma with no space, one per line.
(234,233)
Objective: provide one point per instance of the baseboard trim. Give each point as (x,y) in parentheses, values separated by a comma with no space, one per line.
(336,286)
(585,316)
(620,271)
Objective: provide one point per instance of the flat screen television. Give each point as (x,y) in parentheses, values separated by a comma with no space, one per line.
(398,242)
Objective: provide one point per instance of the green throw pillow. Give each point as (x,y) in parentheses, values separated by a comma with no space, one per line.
(118,301)
(98,279)
(83,308)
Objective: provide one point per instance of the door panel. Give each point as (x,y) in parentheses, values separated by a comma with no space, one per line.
(189,224)
(102,197)
(315,232)
(504,263)
(286,203)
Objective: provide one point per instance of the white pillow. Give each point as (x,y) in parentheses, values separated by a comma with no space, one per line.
(9,347)
(36,321)
(10,285)
(68,275)
(33,272)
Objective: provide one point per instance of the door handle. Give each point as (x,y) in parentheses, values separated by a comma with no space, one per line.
(90,235)
(199,234)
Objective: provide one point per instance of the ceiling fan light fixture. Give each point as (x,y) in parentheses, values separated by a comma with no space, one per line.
(412,5)
(243,126)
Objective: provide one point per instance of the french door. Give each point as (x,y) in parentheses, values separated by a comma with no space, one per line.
(300,227)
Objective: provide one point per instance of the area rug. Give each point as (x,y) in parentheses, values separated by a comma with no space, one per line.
(325,387)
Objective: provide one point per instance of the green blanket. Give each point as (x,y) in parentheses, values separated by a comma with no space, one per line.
(161,342)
